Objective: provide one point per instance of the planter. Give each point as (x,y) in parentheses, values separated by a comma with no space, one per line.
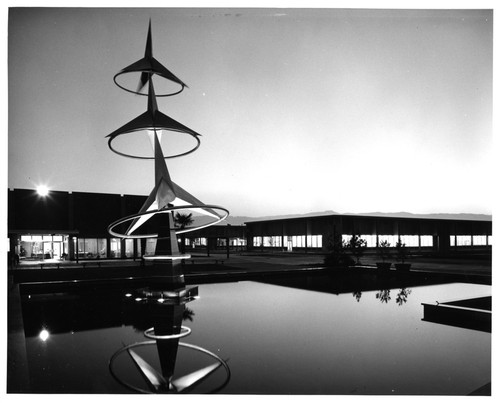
(402,266)
(383,265)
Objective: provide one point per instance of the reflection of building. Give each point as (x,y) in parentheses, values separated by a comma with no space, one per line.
(75,224)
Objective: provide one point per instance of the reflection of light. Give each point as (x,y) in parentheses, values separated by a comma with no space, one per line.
(44,335)
(42,190)
(138,299)
(128,295)
(160,300)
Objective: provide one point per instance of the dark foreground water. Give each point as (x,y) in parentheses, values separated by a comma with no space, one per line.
(276,339)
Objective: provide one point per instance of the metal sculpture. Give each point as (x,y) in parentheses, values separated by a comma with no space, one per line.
(166,196)
(147,66)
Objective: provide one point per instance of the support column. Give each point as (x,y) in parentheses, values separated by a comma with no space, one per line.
(122,248)
(167,256)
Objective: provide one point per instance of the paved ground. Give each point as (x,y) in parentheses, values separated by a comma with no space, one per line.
(259,262)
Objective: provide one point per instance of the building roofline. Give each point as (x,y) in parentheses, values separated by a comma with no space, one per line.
(444,217)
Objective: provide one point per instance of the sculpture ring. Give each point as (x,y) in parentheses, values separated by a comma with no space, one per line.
(192,347)
(150,334)
(168,94)
(112,226)
(198,142)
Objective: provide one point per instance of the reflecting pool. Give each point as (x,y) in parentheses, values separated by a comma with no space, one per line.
(275,339)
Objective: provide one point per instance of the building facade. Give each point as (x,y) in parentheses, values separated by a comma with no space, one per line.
(319,233)
(73,226)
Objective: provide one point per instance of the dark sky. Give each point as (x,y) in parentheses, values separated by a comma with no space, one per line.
(300,109)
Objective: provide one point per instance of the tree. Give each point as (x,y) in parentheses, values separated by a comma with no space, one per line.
(183,221)
(357,245)
(401,251)
(337,256)
(383,250)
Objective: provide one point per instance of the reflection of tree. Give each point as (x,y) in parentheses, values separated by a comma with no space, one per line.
(357,295)
(187,314)
(384,296)
(402,296)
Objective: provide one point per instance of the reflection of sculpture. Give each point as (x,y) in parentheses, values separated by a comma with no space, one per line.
(166,311)
(166,196)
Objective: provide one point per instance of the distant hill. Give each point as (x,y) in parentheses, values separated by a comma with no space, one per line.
(240,220)
(441,216)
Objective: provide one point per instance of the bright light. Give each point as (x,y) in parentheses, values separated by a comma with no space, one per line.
(44,335)
(42,190)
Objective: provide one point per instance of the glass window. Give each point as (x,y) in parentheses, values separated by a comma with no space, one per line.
(314,241)
(490,240)
(479,240)
(91,248)
(271,241)
(48,253)
(150,246)
(115,248)
(409,240)
(199,242)
(371,240)
(102,247)
(452,240)
(81,247)
(87,248)
(129,248)
(464,240)
(299,241)
(426,240)
(392,239)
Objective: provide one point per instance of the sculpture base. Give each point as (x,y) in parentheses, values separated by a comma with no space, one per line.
(171,270)
(166,257)
(175,296)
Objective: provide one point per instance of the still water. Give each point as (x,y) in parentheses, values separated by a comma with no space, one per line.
(276,340)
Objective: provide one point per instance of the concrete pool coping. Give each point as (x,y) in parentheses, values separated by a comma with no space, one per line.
(238,266)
